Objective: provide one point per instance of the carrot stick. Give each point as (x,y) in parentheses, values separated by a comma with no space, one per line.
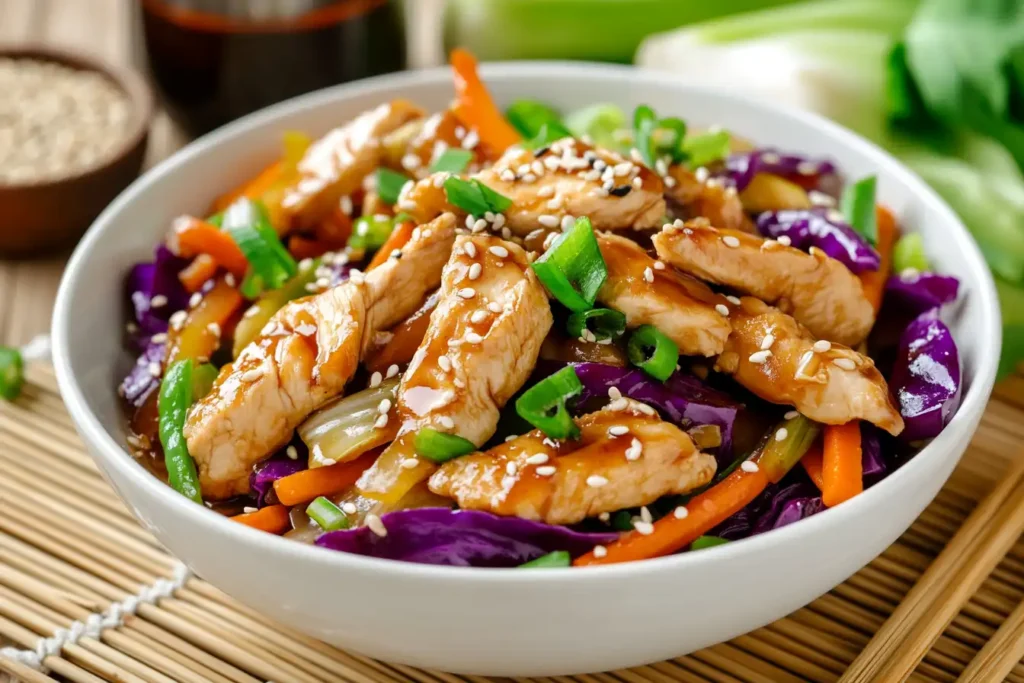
(475,108)
(671,533)
(306,485)
(253,188)
(812,465)
(195,275)
(398,238)
(196,237)
(873,281)
(841,470)
(273,519)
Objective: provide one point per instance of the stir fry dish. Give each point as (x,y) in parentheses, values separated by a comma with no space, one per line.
(535,338)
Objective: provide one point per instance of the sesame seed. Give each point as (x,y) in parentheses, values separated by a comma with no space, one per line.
(345,203)
(494,307)
(618,430)
(537,459)
(618,404)
(292,452)
(467,292)
(460,132)
(661,166)
(806,168)
(791,414)
(480,225)
(384,406)
(596,481)
(178,318)
(471,140)
(411,162)
(511,469)
(767,342)
(214,329)
(567,222)
(835,216)
(158,301)
(508,175)
(722,309)
(159,338)
(470,219)
(605,516)
(195,299)
(548,220)
(781,434)
(537,167)
(381,422)
(375,379)
(349,508)
(749,466)
(658,265)
(529,178)
(473,338)
(545,470)
(356,276)
(643,528)
(731,241)
(478,317)
(499,251)
(445,363)
(475,270)
(600,551)
(784,240)
(248,509)
(637,183)
(499,221)
(844,363)
(470,247)
(734,300)
(702,174)
(154,369)
(646,409)
(648,274)
(323,283)
(546,192)
(614,393)
(645,515)
(392,371)
(375,525)
(671,182)
(822,346)
(760,357)
(251,375)
(554,204)
(446,422)
(635,450)
(681,512)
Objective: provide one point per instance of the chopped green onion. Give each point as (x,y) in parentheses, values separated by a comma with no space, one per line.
(12,372)
(573,269)
(654,137)
(327,515)
(548,133)
(371,232)
(474,197)
(270,264)
(439,447)
(173,402)
(702,542)
(558,558)
(645,121)
(669,136)
(543,404)
(909,253)
(653,352)
(785,445)
(390,184)
(604,323)
(701,150)
(858,205)
(452,161)
(600,122)
(216,219)
(530,116)
(622,521)
(203,378)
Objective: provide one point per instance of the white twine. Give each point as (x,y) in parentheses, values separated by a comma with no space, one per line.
(94,625)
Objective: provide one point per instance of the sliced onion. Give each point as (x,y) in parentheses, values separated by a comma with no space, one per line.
(344,428)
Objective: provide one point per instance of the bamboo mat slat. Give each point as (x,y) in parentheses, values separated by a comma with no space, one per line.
(50,578)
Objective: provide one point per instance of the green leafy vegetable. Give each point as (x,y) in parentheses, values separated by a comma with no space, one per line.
(600,122)
(390,184)
(530,117)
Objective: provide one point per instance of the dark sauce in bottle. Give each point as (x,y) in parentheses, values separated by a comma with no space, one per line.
(212,67)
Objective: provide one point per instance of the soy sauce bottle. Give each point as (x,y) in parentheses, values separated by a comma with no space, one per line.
(216,60)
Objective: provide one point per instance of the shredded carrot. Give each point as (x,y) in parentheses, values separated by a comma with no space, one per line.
(671,533)
(812,465)
(405,339)
(841,470)
(873,281)
(196,274)
(273,519)
(475,108)
(306,485)
(254,188)
(196,237)
(398,238)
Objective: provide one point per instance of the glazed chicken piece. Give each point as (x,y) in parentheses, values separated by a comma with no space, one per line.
(416,145)
(709,198)
(335,165)
(481,345)
(681,307)
(569,178)
(303,357)
(818,291)
(626,457)
(777,358)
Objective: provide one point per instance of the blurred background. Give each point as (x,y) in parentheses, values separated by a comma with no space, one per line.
(940,83)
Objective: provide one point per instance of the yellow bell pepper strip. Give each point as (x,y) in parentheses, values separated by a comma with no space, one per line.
(200,333)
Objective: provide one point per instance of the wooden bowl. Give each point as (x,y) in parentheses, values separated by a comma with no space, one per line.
(50,214)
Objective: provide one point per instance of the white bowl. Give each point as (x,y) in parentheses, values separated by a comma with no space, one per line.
(508,622)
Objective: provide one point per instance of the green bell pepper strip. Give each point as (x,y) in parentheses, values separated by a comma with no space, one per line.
(440,447)
(173,403)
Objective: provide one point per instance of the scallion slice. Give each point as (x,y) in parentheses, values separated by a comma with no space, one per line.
(270,264)
(548,133)
(604,323)
(785,445)
(645,121)
(474,197)
(669,136)
(390,184)
(530,116)
(909,253)
(371,232)
(702,542)
(544,404)
(452,161)
(600,122)
(653,352)
(558,558)
(440,447)
(12,372)
(701,150)
(573,269)
(327,515)
(858,206)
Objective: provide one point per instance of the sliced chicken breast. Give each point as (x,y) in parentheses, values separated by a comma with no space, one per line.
(818,291)
(335,165)
(649,293)
(697,197)
(626,457)
(415,146)
(303,357)
(777,358)
(565,181)
(480,347)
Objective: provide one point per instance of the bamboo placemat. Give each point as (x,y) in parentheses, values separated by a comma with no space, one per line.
(69,549)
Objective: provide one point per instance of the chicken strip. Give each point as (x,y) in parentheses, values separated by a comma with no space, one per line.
(481,345)
(335,165)
(303,357)
(818,291)
(777,358)
(567,179)
(695,195)
(626,457)
(648,293)
(415,146)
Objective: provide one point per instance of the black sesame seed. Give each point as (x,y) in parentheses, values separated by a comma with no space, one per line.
(621,190)
(396,253)
(541,152)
